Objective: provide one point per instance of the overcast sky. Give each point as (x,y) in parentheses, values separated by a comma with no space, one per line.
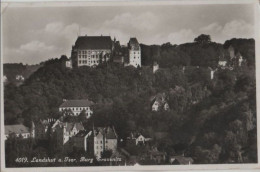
(32,35)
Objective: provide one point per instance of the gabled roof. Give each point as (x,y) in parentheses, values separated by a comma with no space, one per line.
(17,129)
(69,126)
(82,133)
(77,103)
(93,42)
(110,133)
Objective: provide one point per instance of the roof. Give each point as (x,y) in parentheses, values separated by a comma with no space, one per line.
(77,103)
(110,134)
(17,129)
(93,42)
(69,126)
(133,43)
(82,133)
(183,160)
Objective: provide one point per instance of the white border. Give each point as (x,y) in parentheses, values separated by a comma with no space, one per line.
(66,3)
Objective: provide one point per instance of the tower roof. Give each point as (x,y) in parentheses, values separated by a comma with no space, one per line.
(133,44)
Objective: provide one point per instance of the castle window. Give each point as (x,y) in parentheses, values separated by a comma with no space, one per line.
(101,141)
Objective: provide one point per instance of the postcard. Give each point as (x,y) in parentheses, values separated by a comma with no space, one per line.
(129,85)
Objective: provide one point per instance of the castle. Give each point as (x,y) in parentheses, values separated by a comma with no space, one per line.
(94,50)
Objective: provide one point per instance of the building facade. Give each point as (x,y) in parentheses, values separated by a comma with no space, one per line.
(77,106)
(91,50)
(65,130)
(104,139)
(19,130)
(80,140)
(134,52)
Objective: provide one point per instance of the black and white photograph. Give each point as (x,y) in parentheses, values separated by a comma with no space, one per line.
(129,85)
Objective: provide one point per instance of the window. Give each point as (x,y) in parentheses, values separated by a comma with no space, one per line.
(97,147)
(100,147)
(101,141)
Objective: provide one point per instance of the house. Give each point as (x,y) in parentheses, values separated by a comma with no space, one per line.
(104,139)
(19,130)
(138,138)
(77,106)
(65,130)
(80,140)
(91,50)
(19,77)
(155,67)
(159,102)
(180,160)
(134,50)
(42,128)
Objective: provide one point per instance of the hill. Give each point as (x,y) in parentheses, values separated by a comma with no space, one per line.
(204,115)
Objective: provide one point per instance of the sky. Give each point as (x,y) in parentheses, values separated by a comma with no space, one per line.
(35,34)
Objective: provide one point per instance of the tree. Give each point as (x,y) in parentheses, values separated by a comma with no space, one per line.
(203,39)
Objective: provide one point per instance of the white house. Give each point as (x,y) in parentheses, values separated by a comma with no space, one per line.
(19,130)
(134,52)
(139,138)
(77,106)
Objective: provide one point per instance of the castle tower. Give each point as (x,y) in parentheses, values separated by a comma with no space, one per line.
(134,52)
